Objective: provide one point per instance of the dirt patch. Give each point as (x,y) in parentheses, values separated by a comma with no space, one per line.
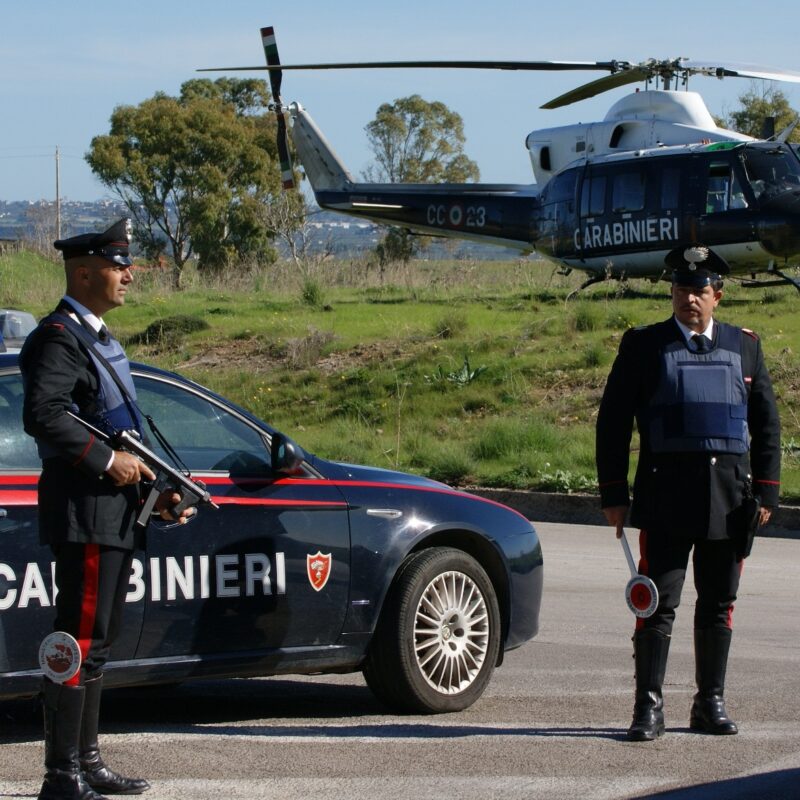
(255,356)
(240,354)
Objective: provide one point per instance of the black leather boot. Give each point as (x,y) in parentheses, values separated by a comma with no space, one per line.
(94,770)
(711,660)
(650,650)
(63,707)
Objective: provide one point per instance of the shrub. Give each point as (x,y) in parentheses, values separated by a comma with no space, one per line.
(586,317)
(311,293)
(168,332)
(594,355)
(306,350)
(450,326)
(450,466)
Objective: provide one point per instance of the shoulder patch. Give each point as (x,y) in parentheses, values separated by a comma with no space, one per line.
(750,333)
(57,325)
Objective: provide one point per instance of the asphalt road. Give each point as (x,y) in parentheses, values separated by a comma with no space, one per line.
(551,725)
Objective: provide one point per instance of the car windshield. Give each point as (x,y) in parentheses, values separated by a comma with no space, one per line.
(771,171)
(16,324)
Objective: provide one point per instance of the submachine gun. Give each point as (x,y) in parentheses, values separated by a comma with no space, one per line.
(192,492)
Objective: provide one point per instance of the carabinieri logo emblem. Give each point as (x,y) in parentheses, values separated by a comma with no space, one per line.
(318,567)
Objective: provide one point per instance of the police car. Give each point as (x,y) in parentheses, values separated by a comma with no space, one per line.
(327,567)
(14,327)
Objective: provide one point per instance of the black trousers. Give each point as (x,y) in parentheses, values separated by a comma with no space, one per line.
(92,582)
(665,559)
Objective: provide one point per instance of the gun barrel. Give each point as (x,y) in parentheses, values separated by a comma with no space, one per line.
(128,441)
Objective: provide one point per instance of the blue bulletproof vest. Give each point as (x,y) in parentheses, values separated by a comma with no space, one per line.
(700,404)
(114,411)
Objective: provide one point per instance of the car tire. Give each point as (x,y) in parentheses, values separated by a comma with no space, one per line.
(438,637)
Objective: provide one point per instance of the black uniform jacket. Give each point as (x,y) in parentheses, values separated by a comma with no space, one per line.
(692,494)
(77,501)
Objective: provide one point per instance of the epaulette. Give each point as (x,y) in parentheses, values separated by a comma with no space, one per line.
(753,334)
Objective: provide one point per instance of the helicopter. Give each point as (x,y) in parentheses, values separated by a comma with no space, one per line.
(655,186)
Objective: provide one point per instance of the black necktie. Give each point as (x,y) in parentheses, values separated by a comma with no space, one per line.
(102,334)
(701,342)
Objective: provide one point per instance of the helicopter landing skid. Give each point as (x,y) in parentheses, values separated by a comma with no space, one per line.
(781,280)
(786,278)
(596,278)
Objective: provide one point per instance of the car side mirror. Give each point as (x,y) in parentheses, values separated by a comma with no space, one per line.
(287,456)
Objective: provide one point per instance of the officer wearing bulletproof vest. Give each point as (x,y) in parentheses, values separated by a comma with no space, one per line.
(709,438)
(88,496)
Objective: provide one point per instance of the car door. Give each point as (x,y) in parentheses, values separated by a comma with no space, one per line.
(269,569)
(27,593)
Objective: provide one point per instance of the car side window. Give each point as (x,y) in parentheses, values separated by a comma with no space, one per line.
(204,434)
(17,449)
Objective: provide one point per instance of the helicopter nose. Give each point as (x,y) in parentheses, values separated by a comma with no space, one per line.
(779,230)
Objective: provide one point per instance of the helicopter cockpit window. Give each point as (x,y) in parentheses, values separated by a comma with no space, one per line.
(724,190)
(628,191)
(562,188)
(771,171)
(593,196)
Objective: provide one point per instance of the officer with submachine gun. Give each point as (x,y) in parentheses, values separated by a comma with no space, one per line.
(94,500)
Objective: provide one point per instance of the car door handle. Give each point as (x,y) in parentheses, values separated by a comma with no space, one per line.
(3,513)
(387,513)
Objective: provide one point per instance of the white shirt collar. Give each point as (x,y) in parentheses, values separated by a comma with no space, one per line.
(94,321)
(688,332)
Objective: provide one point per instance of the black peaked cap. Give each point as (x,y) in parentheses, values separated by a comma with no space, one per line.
(111,244)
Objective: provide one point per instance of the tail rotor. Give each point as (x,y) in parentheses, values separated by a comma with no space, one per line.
(275,77)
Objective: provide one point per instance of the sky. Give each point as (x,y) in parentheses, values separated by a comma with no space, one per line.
(65,66)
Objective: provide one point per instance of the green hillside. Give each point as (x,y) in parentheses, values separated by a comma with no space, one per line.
(475,373)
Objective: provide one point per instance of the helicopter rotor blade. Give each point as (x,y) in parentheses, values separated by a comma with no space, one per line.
(275,78)
(633,75)
(605,66)
(734,69)
(621,72)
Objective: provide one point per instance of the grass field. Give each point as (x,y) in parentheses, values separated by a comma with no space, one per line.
(475,373)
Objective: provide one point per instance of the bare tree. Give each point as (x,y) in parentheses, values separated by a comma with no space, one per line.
(40,227)
(288,218)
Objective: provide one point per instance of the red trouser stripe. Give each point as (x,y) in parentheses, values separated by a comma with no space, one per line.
(91,574)
(730,610)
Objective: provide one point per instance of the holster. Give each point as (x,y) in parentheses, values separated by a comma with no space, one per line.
(746,525)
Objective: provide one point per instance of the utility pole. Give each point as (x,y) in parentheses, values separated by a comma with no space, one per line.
(58,196)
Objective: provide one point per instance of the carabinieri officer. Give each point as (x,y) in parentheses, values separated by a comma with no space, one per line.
(88,496)
(709,436)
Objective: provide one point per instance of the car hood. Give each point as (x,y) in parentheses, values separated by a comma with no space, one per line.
(358,472)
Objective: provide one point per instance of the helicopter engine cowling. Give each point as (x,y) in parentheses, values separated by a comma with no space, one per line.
(643,120)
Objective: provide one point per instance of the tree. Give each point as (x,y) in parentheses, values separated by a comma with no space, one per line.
(40,228)
(762,100)
(397,245)
(416,141)
(194,170)
(289,220)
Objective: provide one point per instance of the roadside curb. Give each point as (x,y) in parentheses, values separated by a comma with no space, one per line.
(584,509)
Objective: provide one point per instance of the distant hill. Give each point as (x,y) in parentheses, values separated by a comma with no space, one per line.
(343,235)
(24,219)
